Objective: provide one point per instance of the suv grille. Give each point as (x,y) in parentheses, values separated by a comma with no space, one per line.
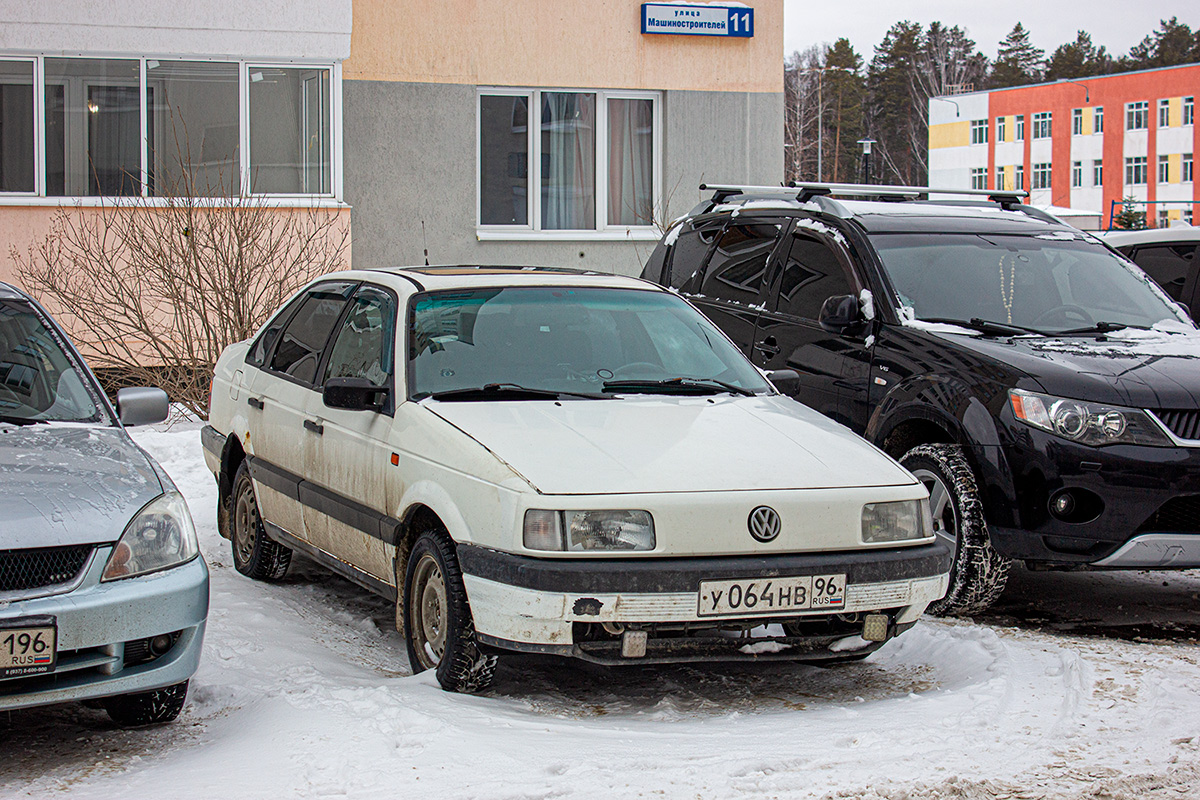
(1177,514)
(21,570)
(1184,424)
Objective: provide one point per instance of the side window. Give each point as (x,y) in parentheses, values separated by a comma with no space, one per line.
(365,346)
(689,251)
(736,270)
(811,275)
(304,338)
(1169,265)
(262,345)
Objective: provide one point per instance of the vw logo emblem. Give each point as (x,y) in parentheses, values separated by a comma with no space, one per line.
(764,523)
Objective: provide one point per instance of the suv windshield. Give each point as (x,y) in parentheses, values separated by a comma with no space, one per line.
(518,342)
(39,381)
(1053,283)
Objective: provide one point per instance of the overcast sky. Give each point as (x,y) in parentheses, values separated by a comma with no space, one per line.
(1116,24)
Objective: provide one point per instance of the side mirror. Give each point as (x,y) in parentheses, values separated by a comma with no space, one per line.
(355,394)
(142,405)
(1186,310)
(786,381)
(841,314)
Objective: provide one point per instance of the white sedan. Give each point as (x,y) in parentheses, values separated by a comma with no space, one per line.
(554,461)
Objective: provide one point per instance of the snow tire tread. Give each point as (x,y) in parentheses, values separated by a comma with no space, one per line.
(147,708)
(269,560)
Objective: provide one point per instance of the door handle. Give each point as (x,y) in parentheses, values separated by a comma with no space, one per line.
(768,347)
(255,402)
(314,426)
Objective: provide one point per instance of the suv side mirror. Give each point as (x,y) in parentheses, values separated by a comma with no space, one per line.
(355,394)
(785,381)
(142,405)
(841,314)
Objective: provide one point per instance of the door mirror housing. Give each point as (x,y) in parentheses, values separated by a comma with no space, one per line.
(785,381)
(142,405)
(355,394)
(842,314)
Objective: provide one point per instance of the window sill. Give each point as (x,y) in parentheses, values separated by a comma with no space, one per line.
(270,201)
(610,235)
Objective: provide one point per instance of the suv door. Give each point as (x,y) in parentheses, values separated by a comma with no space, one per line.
(345,493)
(833,368)
(1173,267)
(279,395)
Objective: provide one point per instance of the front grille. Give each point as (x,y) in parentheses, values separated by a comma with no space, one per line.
(1184,424)
(1177,514)
(21,570)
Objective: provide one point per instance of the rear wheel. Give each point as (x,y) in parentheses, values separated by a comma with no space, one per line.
(147,708)
(978,573)
(255,555)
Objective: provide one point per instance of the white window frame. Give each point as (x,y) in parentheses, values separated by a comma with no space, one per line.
(333,198)
(1097,172)
(1042,122)
(979,177)
(1186,167)
(1001,125)
(1076,174)
(979,131)
(1137,111)
(1043,174)
(1132,166)
(1098,119)
(1076,121)
(1164,169)
(603,231)
(1019,136)
(1189,111)
(1164,113)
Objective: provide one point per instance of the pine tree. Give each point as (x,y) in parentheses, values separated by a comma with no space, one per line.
(1172,43)
(1078,59)
(1018,62)
(1129,218)
(843,90)
(894,122)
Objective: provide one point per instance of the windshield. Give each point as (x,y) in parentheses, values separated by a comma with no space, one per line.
(39,382)
(1050,283)
(569,341)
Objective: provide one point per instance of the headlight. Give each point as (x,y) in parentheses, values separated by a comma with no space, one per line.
(896,521)
(1087,423)
(161,535)
(581,531)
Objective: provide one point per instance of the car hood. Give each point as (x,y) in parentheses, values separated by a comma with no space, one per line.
(1143,369)
(70,484)
(636,444)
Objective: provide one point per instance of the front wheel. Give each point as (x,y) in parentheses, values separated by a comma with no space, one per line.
(978,573)
(147,708)
(436,617)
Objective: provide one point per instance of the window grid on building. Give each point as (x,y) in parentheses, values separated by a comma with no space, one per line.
(1076,174)
(1189,110)
(1098,173)
(1137,116)
(1164,169)
(1041,125)
(1186,168)
(1077,122)
(979,177)
(1098,119)
(1000,125)
(1164,113)
(1135,170)
(1041,176)
(979,131)
(1164,219)
(1019,180)
(1020,132)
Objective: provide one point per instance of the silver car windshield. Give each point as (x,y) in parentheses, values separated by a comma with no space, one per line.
(1047,284)
(594,342)
(39,380)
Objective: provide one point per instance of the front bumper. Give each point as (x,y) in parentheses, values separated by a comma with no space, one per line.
(95,623)
(567,606)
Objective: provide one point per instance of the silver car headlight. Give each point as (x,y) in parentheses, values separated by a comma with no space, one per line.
(896,521)
(1087,423)
(583,531)
(161,535)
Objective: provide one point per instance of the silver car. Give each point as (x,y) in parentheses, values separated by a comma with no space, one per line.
(103,593)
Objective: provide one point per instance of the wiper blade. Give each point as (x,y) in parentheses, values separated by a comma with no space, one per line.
(675,385)
(1101,327)
(987,326)
(507,391)
(21,420)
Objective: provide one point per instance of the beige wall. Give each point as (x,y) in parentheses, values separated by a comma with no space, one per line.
(593,44)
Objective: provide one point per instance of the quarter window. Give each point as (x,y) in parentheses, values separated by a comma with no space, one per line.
(739,263)
(1137,116)
(304,338)
(689,251)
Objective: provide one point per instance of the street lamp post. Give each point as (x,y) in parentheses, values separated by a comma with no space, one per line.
(821,114)
(866,158)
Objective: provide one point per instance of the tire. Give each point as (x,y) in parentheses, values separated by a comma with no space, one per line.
(147,708)
(255,555)
(978,573)
(436,617)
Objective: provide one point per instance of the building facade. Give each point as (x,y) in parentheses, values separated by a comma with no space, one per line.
(1084,145)
(474,131)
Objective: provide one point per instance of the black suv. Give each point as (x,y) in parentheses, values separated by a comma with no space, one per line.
(1041,386)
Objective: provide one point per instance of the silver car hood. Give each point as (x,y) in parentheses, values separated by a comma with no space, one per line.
(70,484)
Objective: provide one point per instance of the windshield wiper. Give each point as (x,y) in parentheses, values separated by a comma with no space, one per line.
(675,386)
(1101,327)
(506,391)
(21,420)
(986,326)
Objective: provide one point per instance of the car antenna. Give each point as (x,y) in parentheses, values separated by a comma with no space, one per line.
(424,244)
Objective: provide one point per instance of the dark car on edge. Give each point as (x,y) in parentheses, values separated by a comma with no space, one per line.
(1041,386)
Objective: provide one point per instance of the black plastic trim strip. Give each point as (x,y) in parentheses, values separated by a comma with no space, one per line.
(347,571)
(612,575)
(274,477)
(212,440)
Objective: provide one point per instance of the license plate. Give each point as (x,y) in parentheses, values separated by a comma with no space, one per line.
(28,649)
(759,596)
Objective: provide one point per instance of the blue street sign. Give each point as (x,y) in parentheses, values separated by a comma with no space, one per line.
(683,19)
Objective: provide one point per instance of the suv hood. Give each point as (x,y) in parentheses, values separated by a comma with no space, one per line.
(639,443)
(64,485)
(1143,369)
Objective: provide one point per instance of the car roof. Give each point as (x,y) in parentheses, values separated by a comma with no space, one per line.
(460,276)
(1181,233)
(10,292)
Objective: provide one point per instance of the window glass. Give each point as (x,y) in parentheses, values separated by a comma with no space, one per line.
(93,127)
(304,338)
(261,346)
(38,379)
(193,108)
(364,346)
(630,162)
(811,275)
(736,270)
(16,126)
(1168,265)
(689,251)
(568,161)
(289,130)
(503,160)
(1098,120)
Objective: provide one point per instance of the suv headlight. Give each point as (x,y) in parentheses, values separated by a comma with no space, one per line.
(582,531)
(896,521)
(1087,423)
(161,535)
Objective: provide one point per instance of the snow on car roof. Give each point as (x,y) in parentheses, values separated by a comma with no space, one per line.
(467,275)
(1184,233)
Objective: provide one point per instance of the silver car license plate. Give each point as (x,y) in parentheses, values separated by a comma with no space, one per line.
(756,597)
(28,647)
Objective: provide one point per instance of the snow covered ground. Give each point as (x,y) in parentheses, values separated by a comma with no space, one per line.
(304,691)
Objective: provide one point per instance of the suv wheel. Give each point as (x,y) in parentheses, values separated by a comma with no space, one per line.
(436,617)
(978,573)
(255,555)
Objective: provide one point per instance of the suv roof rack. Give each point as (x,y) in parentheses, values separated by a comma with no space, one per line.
(802,192)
